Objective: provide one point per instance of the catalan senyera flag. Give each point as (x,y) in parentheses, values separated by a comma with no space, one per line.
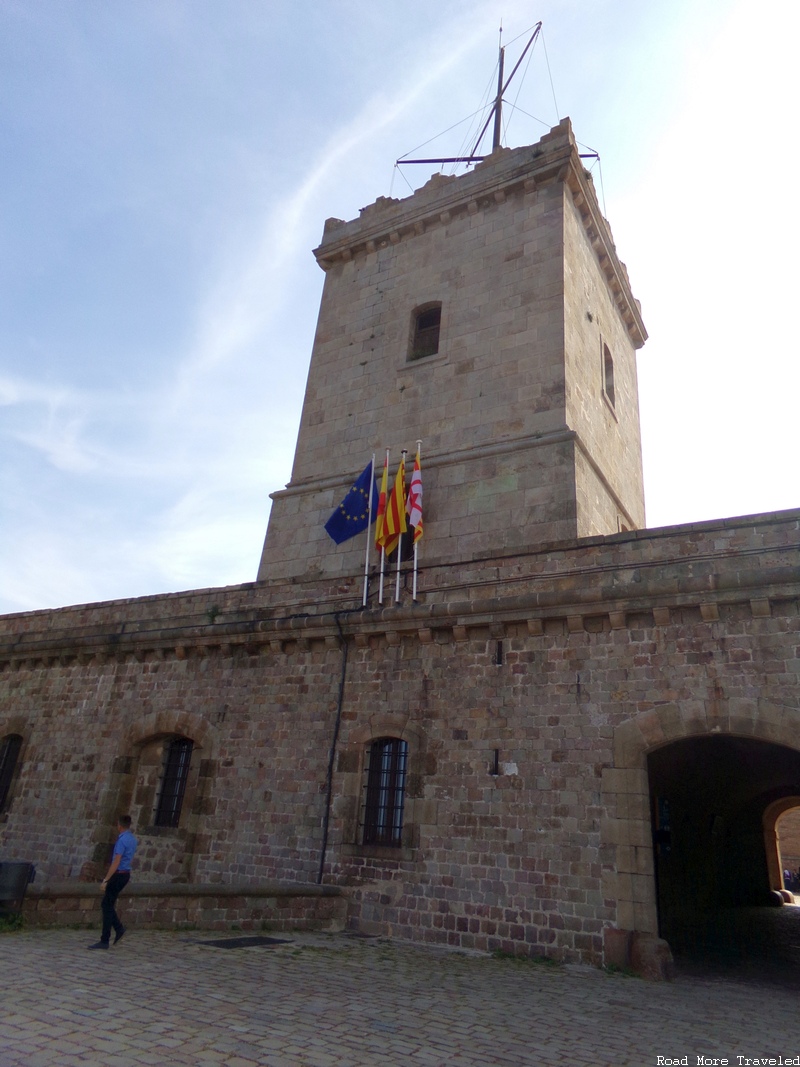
(379,522)
(414,503)
(394,518)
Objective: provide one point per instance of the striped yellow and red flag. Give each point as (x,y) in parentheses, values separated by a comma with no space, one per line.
(394,517)
(380,520)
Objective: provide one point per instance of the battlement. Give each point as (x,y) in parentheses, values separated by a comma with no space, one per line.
(504,173)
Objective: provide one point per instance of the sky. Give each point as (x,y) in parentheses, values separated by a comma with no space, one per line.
(166,167)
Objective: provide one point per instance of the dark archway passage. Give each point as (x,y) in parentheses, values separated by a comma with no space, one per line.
(715,853)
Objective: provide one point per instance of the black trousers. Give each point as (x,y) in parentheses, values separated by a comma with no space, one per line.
(114,887)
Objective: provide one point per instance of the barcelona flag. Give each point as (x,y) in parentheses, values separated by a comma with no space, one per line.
(414,501)
(353,514)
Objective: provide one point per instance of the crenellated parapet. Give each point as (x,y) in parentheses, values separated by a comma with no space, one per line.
(505,174)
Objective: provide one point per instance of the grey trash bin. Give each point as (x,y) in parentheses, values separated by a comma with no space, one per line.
(14,880)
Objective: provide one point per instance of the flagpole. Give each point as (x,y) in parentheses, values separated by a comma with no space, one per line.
(369,532)
(404,453)
(383,547)
(414,584)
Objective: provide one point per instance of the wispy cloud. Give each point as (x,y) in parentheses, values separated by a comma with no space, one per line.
(49,420)
(253,287)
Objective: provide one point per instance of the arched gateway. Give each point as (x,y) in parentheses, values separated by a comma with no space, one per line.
(692,801)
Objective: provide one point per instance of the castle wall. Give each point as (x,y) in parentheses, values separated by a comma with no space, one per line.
(692,629)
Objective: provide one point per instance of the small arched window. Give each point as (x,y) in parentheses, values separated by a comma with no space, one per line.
(10,747)
(384,791)
(426,323)
(177,757)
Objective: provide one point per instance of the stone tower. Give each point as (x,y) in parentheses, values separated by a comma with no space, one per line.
(490,316)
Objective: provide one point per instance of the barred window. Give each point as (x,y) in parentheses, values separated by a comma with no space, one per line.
(384,793)
(177,757)
(9,753)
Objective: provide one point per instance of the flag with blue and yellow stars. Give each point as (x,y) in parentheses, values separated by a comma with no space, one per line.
(352,516)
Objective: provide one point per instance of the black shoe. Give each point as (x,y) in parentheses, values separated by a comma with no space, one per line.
(99,944)
(119,936)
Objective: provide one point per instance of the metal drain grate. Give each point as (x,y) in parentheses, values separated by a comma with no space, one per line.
(246,942)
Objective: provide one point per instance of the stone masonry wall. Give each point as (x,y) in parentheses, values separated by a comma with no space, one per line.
(498,377)
(520,858)
(609,432)
(595,639)
(259,741)
(191,907)
(789,831)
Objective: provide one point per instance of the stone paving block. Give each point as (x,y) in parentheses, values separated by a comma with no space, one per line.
(325,999)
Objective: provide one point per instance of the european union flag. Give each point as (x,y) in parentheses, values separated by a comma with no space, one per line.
(352,515)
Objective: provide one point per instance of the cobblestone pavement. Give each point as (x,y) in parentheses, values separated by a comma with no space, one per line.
(329,999)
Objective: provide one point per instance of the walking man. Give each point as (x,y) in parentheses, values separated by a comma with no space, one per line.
(118,876)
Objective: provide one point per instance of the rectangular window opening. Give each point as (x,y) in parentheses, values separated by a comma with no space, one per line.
(426,326)
(177,757)
(608,376)
(9,753)
(385,792)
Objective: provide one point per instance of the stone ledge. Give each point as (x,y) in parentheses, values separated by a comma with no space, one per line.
(464,620)
(53,890)
(193,906)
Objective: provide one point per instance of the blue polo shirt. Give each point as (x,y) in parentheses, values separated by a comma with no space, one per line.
(125,848)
